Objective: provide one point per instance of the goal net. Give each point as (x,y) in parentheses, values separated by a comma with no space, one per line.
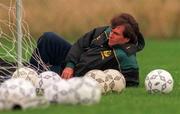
(8,40)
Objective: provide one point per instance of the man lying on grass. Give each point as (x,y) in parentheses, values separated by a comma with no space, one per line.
(108,47)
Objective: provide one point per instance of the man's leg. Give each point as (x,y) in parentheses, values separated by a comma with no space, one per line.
(52,50)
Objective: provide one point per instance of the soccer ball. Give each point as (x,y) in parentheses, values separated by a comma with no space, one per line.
(159,81)
(44,80)
(1,105)
(18,89)
(84,91)
(58,92)
(101,78)
(75,81)
(4,78)
(26,73)
(13,104)
(118,82)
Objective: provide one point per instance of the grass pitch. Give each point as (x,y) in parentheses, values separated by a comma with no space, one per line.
(157,54)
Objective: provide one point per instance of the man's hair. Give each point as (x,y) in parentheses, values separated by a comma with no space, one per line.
(125,18)
(129,33)
(131,25)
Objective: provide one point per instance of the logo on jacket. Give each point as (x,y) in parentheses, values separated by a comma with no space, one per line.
(105,54)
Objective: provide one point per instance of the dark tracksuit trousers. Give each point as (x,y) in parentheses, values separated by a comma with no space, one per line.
(53,50)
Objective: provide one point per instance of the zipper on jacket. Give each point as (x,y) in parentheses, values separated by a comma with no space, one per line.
(114,54)
(119,66)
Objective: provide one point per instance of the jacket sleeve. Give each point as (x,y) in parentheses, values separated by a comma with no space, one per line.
(131,77)
(81,45)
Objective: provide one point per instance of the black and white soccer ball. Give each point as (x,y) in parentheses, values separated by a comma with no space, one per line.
(2,106)
(85,91)
(44,80)
(18,89)
(101,78)
(23,104)
(117,80)
(58,92)
(159,81)
(26,73)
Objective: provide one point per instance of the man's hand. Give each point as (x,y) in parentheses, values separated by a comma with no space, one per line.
(67,73)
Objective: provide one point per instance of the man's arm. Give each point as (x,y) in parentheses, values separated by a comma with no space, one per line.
(74,54)
(77,49)
(82,45)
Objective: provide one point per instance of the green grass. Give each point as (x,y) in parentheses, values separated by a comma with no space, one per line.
(157,54)
(8,48)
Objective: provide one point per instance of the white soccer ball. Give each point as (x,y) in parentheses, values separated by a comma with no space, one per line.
(18,89)
(159,81)
(13,104)
(84,91)
(101,78)
(26,73)
(75,81)
(117,80)
(44,80)
(2,105)
(58,92)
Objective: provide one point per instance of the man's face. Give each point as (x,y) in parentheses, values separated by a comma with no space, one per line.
(116,36)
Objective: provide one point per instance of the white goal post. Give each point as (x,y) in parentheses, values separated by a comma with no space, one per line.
(19,31)
(16,43)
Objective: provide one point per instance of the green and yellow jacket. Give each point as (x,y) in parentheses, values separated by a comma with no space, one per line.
(91,51)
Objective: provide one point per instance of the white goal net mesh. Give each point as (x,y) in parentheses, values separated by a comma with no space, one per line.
(8,41)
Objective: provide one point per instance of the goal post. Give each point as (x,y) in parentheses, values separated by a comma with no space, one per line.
(19,31)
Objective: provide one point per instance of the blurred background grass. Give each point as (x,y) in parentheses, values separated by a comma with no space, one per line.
(72,18)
